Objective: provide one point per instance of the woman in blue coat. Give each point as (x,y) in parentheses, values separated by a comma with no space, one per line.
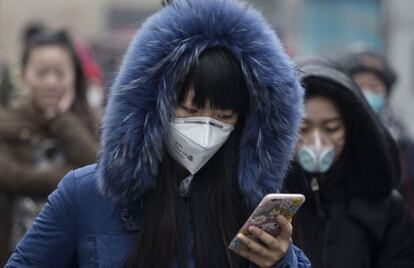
(200,125)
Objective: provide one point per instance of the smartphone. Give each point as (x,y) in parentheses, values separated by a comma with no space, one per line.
(264,216)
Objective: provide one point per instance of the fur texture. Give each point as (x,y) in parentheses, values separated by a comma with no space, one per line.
(142,100)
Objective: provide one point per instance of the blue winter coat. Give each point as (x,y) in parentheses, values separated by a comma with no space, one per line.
(79,227)
(85,221)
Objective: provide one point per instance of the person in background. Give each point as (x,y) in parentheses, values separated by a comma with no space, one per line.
(375,77)
(199,127)
(346,164)
(10,84)
(44,135)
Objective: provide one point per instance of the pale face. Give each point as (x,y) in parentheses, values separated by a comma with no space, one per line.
(187,109)
(49,75)
(370,81)
(322,121)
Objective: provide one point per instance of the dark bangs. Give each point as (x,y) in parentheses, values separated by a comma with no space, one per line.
(216,77)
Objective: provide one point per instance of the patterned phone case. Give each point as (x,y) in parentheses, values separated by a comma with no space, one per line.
(264,216)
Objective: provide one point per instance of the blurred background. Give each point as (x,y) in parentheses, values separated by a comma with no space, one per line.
(306,27)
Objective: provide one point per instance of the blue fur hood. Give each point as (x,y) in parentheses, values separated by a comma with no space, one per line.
(142,100)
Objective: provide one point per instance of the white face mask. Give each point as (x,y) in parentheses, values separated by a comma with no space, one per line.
(192,141)
(316,158)
(375,100)
(314,161)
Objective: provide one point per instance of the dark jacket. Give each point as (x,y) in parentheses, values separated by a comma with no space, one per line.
(82,222)
(356,219)
(34,154)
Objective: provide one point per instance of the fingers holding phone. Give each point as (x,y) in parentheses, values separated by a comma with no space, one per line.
(265,237)
(268,250)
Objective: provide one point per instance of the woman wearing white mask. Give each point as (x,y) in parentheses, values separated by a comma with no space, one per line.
(346,164)
(200,125)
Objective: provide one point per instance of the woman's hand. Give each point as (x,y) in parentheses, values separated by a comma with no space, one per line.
(273,248)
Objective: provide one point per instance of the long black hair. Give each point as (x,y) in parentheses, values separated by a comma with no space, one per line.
(206,219)
(62,39)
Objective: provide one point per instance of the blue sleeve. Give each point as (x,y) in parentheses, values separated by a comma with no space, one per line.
(51,240)
(294,258)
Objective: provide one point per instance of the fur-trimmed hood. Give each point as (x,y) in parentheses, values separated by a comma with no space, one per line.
(142,100)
